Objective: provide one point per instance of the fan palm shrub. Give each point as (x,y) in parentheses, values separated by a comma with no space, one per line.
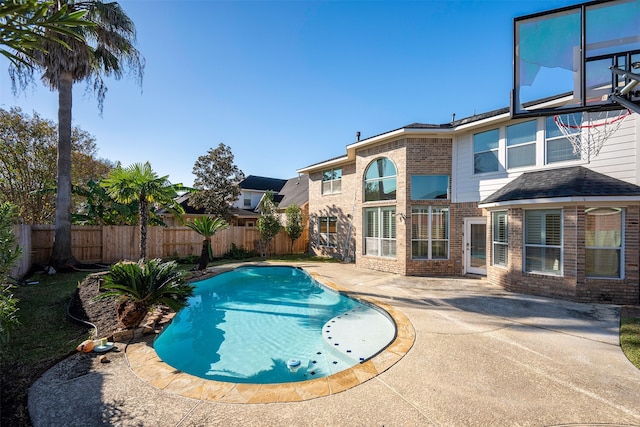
(140,182)
(206,226)
(141,286)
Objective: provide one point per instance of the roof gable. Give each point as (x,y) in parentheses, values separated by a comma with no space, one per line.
(576,181)
(296,190)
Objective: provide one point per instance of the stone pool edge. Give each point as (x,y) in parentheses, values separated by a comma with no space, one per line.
(146,365)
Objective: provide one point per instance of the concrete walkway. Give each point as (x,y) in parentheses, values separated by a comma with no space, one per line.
(482,356)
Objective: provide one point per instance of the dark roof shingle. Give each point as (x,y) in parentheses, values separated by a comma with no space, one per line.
(573,181)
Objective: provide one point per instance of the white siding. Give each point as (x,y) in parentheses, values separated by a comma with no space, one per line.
(618,158)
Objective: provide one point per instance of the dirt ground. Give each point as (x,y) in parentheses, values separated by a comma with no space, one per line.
(100,313)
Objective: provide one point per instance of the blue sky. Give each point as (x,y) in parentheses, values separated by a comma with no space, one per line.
(288,84)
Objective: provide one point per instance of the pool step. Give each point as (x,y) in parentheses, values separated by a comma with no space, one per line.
(359,333)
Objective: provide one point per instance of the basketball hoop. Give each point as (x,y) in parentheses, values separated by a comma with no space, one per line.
(588,131)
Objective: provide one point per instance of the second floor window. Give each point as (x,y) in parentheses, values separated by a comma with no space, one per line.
(380,180)
(429,187)
(247,200)
(558,147)
(332,181)
(485,151)
(521,144)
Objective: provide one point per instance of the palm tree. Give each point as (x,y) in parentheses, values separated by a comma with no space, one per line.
(107,49)
(143,285)
(24,25)
(206,226)
(140,182)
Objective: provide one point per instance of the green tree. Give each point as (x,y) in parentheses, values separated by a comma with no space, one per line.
(217,181)
(294,225)
(106,49)
(268,224)
(28,164)
(25,25)
(100,209)
(139,182)
(206,226)
(9,254)
(143,285)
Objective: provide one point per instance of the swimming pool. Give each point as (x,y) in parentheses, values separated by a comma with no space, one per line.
(271,325)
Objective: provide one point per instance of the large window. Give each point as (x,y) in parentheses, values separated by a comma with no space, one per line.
(380,231)
(500,239)
(429,232)
(429,187)
(558,147)
(328,231)
(332,181)
(247,199)
(485,151)
(380,180)
(521,144)
(543,241)
(603,242)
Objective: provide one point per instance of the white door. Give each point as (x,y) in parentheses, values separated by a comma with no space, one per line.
(475,246)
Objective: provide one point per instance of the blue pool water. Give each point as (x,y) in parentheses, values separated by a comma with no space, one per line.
(253,324)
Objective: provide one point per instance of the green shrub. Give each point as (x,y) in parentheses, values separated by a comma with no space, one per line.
(239,252)
(9,254)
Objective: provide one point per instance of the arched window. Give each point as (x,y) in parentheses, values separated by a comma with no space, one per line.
(380,180)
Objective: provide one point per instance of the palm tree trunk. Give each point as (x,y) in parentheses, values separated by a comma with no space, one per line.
(204,254)
(62,255)
(144,219)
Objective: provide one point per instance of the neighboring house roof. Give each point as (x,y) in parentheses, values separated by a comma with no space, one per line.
(184,202)
(296,190)
(261,183)
(576,183)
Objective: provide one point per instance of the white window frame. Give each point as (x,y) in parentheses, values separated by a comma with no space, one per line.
(327,239)
(380,179)
(429,214)
(246,197)
(522,144)
(543,246)
(495,150)
(333,185)
(498,242)
(620,249)
(377,244)
(550,123)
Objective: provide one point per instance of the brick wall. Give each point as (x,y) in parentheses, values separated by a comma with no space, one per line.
(339,205)
(396,152)
(573,284)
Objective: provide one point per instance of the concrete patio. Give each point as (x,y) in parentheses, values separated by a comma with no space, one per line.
(482,356)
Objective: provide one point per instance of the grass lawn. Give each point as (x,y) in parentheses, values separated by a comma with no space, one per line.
(45,336)
(630,339)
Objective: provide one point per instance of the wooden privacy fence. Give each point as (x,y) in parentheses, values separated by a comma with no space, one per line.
(109,243)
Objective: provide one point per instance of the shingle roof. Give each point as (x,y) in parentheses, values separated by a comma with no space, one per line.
(576,181)
(296,190)
(262,183)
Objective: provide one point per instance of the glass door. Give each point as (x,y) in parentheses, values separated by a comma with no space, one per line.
(475,244)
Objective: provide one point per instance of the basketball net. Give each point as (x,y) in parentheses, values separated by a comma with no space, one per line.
(588,131)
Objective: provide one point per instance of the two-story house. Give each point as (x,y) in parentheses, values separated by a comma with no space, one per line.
(487,195)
